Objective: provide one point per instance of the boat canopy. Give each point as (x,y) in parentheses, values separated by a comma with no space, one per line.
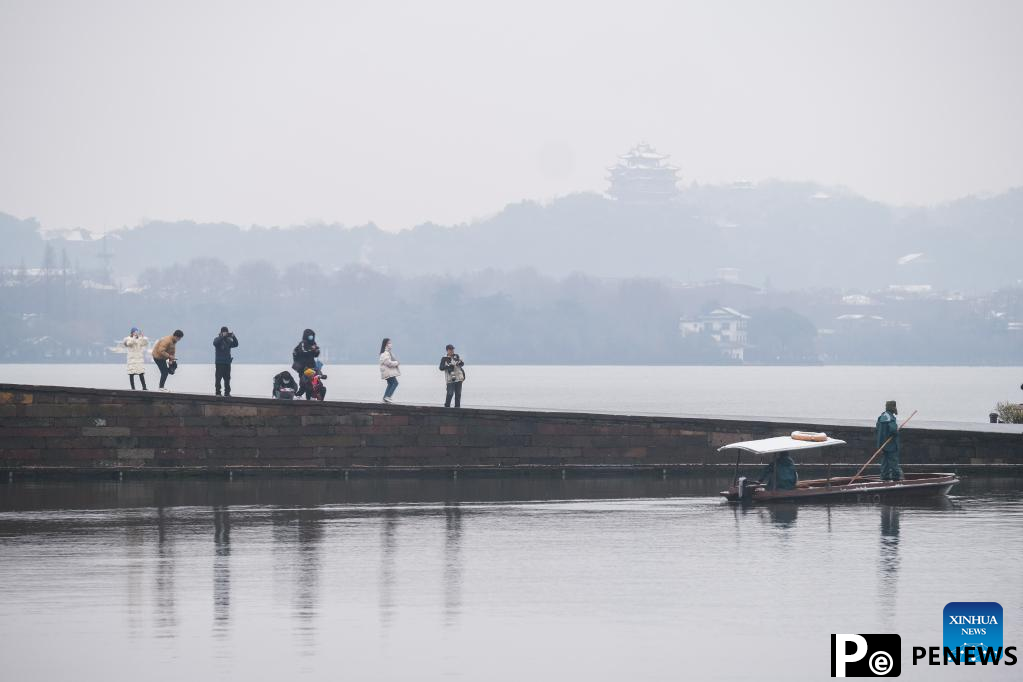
(766,446)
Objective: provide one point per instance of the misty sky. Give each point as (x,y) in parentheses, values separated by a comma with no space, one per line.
(402,112)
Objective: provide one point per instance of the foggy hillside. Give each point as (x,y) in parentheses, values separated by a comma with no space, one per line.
(518,317)
(783,235)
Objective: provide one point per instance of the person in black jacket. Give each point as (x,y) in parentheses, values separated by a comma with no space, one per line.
(305,353)
(304,356)
(223,343)
(285,387)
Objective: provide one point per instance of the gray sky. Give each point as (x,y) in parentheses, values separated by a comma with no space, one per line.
(402,112)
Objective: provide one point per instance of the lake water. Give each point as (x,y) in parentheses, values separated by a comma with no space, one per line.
(964,394)
(482,579)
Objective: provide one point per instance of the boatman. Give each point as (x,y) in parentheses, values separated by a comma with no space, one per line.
(888,426)
(781,473)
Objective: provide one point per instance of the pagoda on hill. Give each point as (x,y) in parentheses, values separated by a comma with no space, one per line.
(643,177)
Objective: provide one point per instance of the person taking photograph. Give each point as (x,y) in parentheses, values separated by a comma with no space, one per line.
(223,343)
(136,343)
(451,364)
(305,353)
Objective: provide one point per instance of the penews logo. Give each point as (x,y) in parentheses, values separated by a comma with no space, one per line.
(972,635)
(975,628)
(866,655)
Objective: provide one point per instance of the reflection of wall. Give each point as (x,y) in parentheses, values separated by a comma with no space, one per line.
(98,429)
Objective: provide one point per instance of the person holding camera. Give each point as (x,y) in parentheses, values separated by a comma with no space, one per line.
(164,355)
(451,364)
(136,343)
(223,343)
(305,353)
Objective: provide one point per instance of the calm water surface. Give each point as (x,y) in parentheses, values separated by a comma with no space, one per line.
(481,579)
(965,394)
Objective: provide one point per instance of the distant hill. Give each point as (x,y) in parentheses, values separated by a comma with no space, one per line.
(785,235)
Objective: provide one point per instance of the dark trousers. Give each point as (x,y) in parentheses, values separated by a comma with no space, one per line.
(142,378)
(223,372)
(454,389)
(890,468)
(162,365)
(392,386)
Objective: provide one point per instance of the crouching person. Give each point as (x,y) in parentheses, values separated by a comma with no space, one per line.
(312,386)
(285,387)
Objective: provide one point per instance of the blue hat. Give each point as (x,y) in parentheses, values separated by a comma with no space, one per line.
(134,329)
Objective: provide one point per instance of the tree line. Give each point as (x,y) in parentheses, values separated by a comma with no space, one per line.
(515,317)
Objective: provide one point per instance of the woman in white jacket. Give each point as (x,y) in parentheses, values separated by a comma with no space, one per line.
(389,369)
(136,343)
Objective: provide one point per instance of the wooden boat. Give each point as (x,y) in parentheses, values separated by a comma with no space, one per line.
(831,488)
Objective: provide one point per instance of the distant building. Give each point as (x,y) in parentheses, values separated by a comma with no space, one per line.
(730,275)
(858,318)
(727,326)
(910,289)
(850,321)
(642,176)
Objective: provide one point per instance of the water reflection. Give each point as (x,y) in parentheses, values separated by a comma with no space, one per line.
(422,580)
(888,575)
(310,535)
(166,612)
(783,514)
(452,563)
(134,574)
(299,533)
(221,571)
(388,549)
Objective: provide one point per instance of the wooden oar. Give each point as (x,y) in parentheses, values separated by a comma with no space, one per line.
(853,479)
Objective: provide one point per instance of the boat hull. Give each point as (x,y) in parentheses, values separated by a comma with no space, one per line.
(867,489)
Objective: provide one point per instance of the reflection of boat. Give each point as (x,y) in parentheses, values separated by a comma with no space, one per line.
(831,488)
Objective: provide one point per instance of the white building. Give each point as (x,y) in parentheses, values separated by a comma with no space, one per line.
(727,326)
(730,275)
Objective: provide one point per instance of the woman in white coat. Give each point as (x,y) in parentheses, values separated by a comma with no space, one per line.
(136,343)
(389,369)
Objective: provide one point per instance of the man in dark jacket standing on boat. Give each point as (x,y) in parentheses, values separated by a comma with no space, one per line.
(223,343)
(888,426)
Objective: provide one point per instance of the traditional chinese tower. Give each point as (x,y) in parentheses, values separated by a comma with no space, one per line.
(643,177)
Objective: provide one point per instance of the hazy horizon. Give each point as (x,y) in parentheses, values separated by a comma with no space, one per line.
(475,219)
(289,114)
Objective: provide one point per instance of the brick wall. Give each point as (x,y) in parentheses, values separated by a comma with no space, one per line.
(74,428)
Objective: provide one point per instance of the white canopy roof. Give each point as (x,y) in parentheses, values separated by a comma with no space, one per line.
(768,446)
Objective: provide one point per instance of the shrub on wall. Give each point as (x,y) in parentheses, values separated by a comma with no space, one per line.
(1010,413)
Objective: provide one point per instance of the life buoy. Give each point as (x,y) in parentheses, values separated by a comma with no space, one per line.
(812,436)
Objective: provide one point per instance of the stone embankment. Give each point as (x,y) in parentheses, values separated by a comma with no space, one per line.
(44,428)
